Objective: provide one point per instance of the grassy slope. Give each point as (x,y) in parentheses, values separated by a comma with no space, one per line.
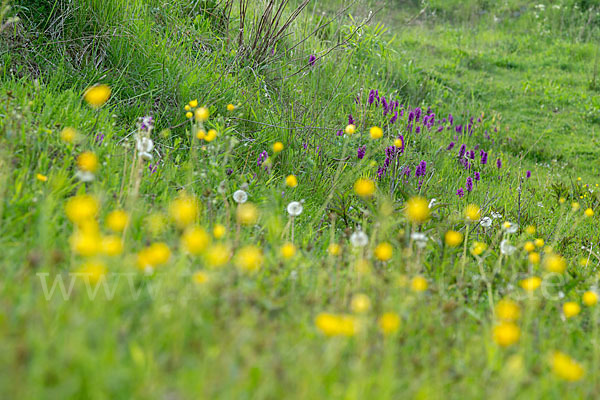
(255,338)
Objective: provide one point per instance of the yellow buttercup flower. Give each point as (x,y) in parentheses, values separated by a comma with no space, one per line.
(41,178)
(93,271)
(589,212)
(506,334)
(200,277)
(68,135)
(529,247)
(389,323)
(288,250)
(201,134)
(384,251)
(531,284)
(507,310)
(473,213)
(453,238)
(376,132)
(97,95)
(539,242)
(565,367)
(189,115)
(555,263)
(575,206)
(219,231)
(194,240)
(154,255)
(112,245)
(334,249)
(87,162)
(230,107)
(277,147)
(398,143)
(477,248)
(291,181)
(417,210)
(418,284)
(86,243)
(247,214)
(184,210)
(360,303)
(336,325)
(571,309)
(530,230)
(81,208)
(590,298)
(249,258)
(117,220)
(217,255)
(364,187)
(201,114)
(534,258)
(193,103)
(210,135)
(349,129)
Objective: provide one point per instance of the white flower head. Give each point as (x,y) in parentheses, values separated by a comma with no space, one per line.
(496,215)
(295,208)
(240,196)
(85,176)
(420,239)
(432,202)
(486,222)
(506,248)
(359,238)
(144,146)
(510,227)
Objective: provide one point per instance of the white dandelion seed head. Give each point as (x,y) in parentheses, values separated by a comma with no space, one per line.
(295,208)
(85,176)
(359,239)
(506,248)
(486,222)
(496,215)
(144,144)
(240,196)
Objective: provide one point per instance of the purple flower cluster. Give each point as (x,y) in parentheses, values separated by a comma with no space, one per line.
(262,157)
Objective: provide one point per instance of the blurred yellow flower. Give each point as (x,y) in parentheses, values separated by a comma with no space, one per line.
(249,258)
(93,271)
(453,238)
(277,147)
(477,248)
(360,303)
(529,247)
(87,162)
(364,187)
(349,129)
(506,334)
(247,214)
(217,255)
(81,208)
(565,367)
(376,132)
(194,240)
(389,323)
(200,277)
(590,298)
(417,210)
(219,231)
(571,309)
(334,249)
(589,212)
(112,245)
(472,213)
(507,310)
(291,181)
(117,220)
(201,114)
(530,230)
(531,284)
(384,251)
(336,325)
(534,258)
(575,206)
(183,210)
(193,103)
(555,263)
(68,135)
(418,284)
(41,178)
(539,242)
(97,95)
(288,250)
(230,107)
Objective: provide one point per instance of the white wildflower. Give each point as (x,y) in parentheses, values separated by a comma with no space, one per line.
(240,196)
(295,208)
(506,248)
(486,222)
(420,239)
(359,239)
